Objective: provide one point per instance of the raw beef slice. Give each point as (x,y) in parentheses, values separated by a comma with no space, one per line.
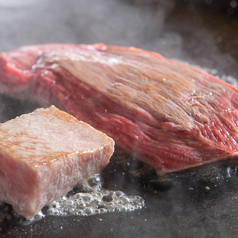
(46,153)
(170,115)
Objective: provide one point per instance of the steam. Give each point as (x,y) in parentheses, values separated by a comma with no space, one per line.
(117,22)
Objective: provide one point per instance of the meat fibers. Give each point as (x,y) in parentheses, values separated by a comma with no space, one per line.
(169,115)
(45,154)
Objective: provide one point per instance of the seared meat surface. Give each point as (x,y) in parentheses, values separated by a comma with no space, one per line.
(169,115)
(46,153)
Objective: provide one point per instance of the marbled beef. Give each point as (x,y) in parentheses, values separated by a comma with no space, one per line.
(46,153)
(170,115)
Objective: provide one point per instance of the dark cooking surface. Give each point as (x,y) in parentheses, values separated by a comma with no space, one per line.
(196,203)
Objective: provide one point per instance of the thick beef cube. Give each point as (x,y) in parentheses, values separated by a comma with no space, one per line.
(46,153)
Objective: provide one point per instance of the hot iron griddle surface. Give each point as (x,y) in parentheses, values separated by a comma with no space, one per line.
(199,202)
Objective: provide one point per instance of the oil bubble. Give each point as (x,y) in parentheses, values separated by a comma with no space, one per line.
(96,200)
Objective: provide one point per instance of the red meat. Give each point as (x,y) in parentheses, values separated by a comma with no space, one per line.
(169,115)
(46,153)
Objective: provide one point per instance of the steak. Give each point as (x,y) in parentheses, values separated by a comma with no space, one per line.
(46,153)
(167,114)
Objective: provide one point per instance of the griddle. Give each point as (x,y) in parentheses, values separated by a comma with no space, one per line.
(199,202)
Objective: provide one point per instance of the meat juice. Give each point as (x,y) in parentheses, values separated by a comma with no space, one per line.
(96,201)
